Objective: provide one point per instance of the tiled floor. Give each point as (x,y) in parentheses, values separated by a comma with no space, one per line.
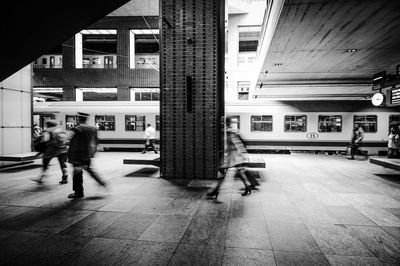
(309,210)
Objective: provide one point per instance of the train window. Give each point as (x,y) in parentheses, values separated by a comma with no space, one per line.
(394,120)
(134,123)
(295,123)
(157,122)
(105,122)
(235,122)
(330,123)
(367,122)
(70,122)
(261,123)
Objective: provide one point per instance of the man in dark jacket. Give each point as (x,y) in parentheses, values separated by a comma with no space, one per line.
(81,149)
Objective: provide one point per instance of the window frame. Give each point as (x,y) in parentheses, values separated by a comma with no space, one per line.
(292,131)
(272,123)
(238,123)
(136,122)
(365,122)
(105,121)
(341,123)
(390,120)
(66,121)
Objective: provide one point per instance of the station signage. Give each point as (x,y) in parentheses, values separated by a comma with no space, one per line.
(393,97)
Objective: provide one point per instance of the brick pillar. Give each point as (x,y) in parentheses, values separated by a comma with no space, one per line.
(123,94)
(123,48)
(69,94)
(68,52)
(192,85)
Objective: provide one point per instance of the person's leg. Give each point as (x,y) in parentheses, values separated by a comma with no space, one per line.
(94,175)
(62,158)
(152,146)
(77,182)
(46,162)
(220,180)
(243,177)
(145,147)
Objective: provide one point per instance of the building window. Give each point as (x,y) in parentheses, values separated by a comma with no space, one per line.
(394,120)
(145,94)
(368,122)
(243,90)
(330,123)
(295,123)
(96,94)
(235,122)
(248,43)
(261,123)
(70,122)
(134,123)
(145,49)
(47,94)
(105,122)
(157,122)
(96,49)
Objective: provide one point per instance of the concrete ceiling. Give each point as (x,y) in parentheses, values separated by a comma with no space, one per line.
(311,38)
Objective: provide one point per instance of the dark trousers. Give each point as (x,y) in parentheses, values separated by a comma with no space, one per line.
(62,158)
(77,180)
(150,143)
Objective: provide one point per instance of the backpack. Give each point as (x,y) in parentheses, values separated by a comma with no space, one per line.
(58,140)
(39,145)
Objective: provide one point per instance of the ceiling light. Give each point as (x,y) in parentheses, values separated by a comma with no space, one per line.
(278,64)
(351,50)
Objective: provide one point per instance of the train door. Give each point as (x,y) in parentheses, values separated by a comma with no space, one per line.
(108,62)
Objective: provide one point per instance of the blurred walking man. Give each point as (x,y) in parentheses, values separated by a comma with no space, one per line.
(149,136)
(82,148)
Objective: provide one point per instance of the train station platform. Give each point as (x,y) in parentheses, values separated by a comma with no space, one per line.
(308,210)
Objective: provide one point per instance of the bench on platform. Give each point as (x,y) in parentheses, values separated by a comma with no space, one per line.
(255,161)
(386,162)
(155,162)
(20,157)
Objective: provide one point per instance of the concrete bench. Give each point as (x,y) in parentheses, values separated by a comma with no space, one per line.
(21,157)
(255,161)
(155,162)
(386,162)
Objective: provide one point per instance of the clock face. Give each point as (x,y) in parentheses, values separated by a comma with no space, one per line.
(377,99)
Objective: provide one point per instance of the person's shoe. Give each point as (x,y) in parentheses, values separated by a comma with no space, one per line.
(213,194)
(38,180)
(143,152)
(253,187)
(63,181)
(247,191)
(75,196)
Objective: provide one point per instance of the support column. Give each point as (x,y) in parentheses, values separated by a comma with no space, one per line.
(123,94)
(192,87)
(69,94)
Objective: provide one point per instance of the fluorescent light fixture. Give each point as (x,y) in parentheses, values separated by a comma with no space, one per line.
(99,32)
(351,50)
(47,90)
(99,90)
(155,31)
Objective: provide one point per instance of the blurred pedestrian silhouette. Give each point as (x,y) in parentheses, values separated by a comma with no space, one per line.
(392,143)
(149,135)
(82,148)
(54,142)
(356,140)
(236,157)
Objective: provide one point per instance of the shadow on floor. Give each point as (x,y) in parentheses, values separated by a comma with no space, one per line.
(19,168)
(144,172)
(390,177)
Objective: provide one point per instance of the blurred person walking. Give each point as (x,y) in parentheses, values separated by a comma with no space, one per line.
(356,140)
(82,148)
(235,158)
(54,144)
(149,135)
(392,143)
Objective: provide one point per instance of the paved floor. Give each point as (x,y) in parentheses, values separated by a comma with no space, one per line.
(310,210)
